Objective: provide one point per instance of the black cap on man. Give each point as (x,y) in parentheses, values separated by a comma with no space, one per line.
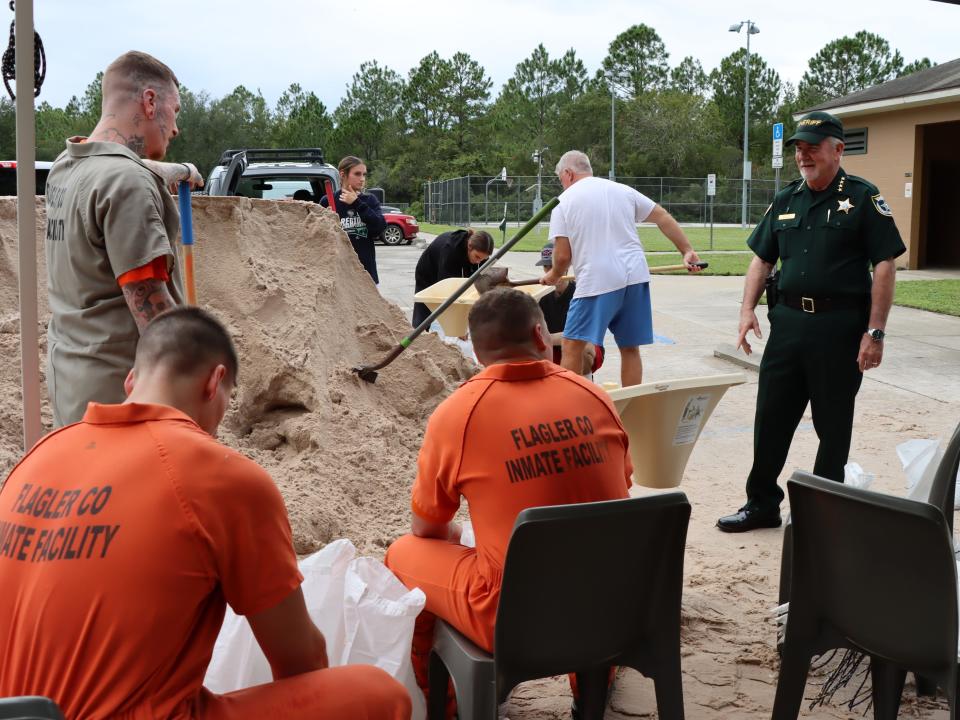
(816,126)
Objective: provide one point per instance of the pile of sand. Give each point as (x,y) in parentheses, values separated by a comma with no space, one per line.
(286,282)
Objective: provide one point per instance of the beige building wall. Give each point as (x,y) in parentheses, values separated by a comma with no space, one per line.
(895,157)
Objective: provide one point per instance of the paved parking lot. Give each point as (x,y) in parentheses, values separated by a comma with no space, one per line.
(694,317)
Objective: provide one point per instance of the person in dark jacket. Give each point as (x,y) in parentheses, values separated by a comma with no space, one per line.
(458,253)
(360,214)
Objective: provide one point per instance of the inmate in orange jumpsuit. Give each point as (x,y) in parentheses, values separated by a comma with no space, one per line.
(514,436)
(122,539)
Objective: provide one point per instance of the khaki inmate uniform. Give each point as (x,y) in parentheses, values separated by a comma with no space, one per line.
(826,242)
(107,214)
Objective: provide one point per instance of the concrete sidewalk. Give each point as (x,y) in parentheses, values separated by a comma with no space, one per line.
(695,320)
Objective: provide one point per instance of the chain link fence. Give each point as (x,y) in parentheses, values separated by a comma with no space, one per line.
(478,200)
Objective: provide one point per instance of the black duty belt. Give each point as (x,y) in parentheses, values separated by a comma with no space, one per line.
(823,303)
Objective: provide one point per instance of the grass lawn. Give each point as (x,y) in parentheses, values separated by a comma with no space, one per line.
(724,238)
(941,296)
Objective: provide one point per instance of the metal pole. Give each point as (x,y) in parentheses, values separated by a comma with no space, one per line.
(486,202)
(518,202)
(27,224)
(746,129)
(504,225)
(776,180)
(711,222)
(613,139)
(538,203)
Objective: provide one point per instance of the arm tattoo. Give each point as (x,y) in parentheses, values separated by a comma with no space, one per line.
(170,172)
(147,299)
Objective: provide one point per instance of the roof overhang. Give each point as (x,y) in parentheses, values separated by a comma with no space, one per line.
(904,102)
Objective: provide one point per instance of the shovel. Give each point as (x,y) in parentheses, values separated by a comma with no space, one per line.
(368,373)
(186,239)
(671,268)
(497,277)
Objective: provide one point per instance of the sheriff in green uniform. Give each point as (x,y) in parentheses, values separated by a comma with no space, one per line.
(827,230)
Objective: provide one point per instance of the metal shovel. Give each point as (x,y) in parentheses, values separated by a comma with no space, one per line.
(369,372)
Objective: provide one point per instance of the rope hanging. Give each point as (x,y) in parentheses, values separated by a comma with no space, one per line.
(9,62)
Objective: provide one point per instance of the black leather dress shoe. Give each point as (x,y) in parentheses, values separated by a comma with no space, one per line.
(749,519)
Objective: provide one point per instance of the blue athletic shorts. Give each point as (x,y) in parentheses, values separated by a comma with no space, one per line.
(626,312)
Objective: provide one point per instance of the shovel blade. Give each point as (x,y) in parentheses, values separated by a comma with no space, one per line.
(490,279)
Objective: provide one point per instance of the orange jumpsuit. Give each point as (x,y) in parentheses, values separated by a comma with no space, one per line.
(514,436)
(122,539)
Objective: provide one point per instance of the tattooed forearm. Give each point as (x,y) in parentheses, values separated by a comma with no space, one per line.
(147,299)
(172,173)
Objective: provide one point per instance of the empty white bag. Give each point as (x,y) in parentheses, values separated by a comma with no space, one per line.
(365,613)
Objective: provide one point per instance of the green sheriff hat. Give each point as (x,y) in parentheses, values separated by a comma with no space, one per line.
(816,126)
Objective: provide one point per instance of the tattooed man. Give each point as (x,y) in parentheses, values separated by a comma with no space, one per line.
(112,226)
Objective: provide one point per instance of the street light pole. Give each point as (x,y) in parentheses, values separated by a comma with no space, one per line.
(752,29)
(613,125)
(538,159)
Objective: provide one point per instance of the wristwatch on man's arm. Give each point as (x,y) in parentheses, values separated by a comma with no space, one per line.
(876,334)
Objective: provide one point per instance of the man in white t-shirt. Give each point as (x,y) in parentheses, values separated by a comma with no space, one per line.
(595,228)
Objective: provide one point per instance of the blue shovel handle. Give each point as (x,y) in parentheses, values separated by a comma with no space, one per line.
(186,213)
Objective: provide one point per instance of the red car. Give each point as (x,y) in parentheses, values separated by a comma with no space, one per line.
(401,228)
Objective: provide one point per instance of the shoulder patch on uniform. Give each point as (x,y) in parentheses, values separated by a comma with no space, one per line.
(881,205)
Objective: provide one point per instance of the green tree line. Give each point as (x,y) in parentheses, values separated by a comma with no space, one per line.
(442,119)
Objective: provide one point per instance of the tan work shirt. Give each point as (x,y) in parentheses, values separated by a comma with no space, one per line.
(107,214)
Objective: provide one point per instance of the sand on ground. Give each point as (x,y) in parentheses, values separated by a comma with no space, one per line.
(284,279)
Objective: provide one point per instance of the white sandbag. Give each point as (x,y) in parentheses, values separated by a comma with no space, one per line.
(237,660)
(956,491)
(856,476)
(467,537)
(379,614)
(464,346)
(920,459)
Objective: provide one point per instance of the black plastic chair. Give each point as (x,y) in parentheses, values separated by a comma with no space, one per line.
(585,587)
(856,584)
(942,491)
(944,485)
(29,708)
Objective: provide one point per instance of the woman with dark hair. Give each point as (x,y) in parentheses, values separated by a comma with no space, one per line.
(457,253)
(360,214)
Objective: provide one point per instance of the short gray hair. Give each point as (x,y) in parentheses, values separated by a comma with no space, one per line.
(834,141)
(576,161)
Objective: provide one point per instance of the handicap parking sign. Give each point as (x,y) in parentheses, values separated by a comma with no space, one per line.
(778,131)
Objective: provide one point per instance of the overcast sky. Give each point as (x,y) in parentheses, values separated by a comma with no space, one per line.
(216,45)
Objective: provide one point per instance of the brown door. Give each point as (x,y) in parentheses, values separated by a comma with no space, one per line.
(941,149)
